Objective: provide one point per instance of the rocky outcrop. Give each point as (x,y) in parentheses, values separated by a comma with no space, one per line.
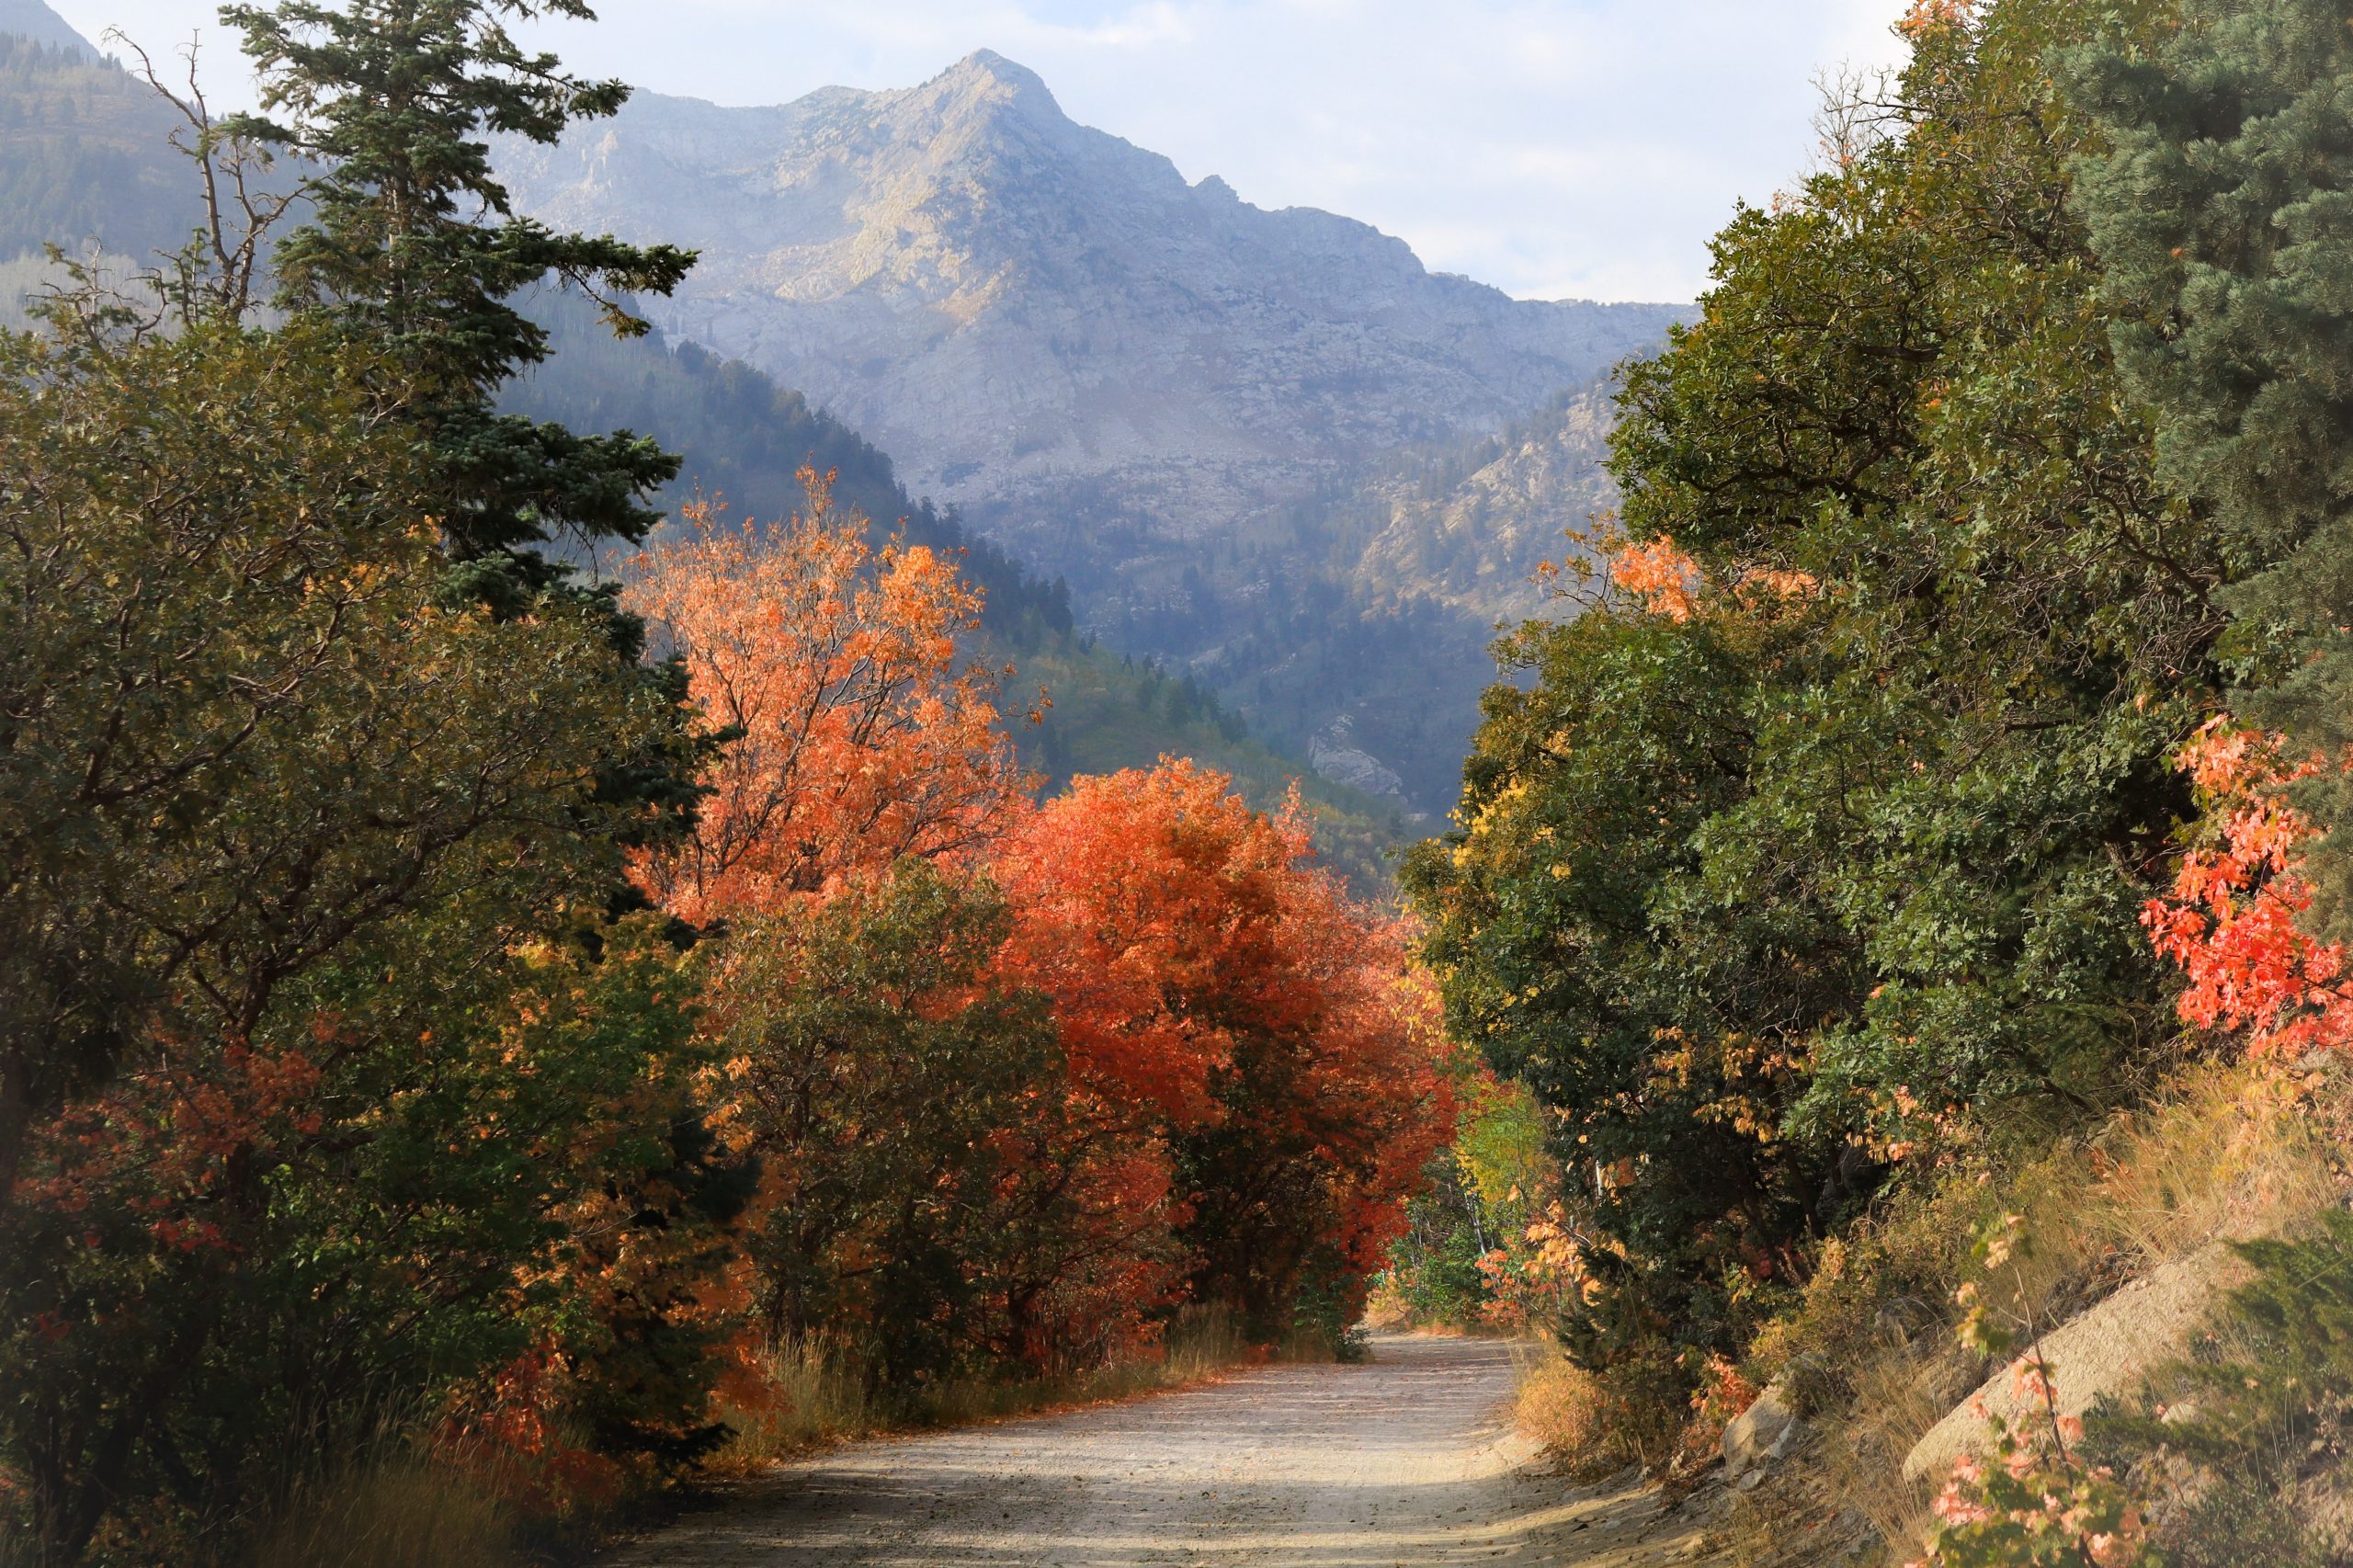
(1112,370)
(1334,755)
(2108,1350)
(1469,528)
(1762,1434)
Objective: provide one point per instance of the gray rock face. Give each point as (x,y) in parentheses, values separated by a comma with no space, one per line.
(1108,368)
(2107,1349)
(1476,543)
(1334,755)
(1763,1433)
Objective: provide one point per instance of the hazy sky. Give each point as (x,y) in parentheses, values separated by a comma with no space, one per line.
(1555,148)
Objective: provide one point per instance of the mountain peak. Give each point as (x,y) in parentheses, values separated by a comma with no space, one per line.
(32,20)
(996,67)
(1109,367)
(986,76)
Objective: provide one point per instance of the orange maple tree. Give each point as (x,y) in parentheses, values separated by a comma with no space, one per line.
(1149,909)
(1661,575)
(1244,1090)
(852,735)
(2230,920)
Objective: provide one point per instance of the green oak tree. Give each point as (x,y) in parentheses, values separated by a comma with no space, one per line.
(319,1057)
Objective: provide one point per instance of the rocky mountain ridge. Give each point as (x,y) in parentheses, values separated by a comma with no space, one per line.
(1117,373)
(1322,555)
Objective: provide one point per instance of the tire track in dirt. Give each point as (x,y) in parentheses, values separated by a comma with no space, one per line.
(1398,1463)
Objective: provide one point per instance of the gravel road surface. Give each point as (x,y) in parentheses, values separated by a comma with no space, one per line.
(1403,1461)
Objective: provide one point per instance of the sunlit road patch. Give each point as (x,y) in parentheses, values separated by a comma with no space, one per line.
(1406,1461)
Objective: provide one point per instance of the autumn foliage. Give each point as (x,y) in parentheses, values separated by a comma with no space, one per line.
(324,1079)
(2231,919)
(1240,1010)
(1658,575)
(851,734)
(1022,1078)
(357,1116)
(315,993)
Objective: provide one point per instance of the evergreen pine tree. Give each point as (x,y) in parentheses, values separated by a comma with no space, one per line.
(2223,213)
(415,249)
(416,246)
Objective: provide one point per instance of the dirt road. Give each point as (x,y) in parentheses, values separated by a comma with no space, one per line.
(1402,1462)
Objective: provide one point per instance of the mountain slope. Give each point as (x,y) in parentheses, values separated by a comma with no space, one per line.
(1372,661)
(1469,527)
(83,160)
(35,23)
(742,438)
(1118,374)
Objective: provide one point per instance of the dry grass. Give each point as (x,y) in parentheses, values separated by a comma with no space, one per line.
(1901,1389)
(1592,1425)
(814,1396)
(1558,1405)
(2233,1155)
(1199,1345)
(2228,1153)
(1305,1347)
(819,1397)
(397,1515)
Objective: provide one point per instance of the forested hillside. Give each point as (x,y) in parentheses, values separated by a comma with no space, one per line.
(1909,886)
(1122,376)
(1373,613)
(82,157)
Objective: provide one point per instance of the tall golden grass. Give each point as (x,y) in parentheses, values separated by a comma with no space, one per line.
(1595,1425)
(398,1514)
(817,1395)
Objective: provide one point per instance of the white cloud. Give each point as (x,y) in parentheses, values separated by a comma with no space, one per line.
(1552,147)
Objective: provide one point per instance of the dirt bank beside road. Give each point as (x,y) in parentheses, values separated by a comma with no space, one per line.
(1405,1461)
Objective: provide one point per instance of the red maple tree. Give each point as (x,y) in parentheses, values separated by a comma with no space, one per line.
(1212,980)
(2231,919)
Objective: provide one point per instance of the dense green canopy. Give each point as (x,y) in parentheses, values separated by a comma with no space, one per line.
(1823,837)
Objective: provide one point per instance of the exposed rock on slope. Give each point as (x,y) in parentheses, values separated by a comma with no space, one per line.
(1111,369)
(1335,758)
(2105,1351)
(1469,528)
(1405,578)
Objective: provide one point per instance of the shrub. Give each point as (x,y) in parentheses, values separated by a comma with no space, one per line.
(1559,1404)
(1631,1412)
(2034,1503)
(316,1041)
